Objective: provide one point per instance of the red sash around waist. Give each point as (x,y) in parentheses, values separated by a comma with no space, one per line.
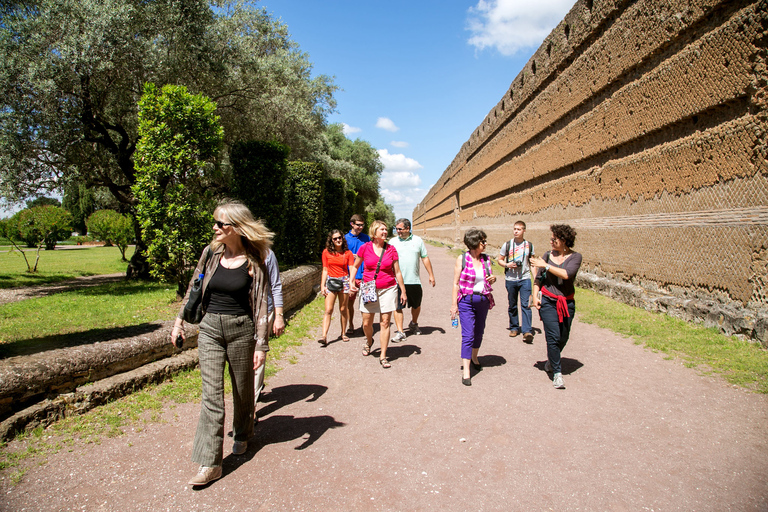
(562,305)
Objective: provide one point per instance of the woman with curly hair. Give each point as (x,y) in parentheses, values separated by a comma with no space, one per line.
(233,330)
(337,258)
(555,304)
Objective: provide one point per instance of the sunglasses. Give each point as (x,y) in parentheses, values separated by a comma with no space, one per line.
(221,225)
(336,238)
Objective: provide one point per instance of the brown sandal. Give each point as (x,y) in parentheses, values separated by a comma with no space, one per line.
(367,349)
(384,362)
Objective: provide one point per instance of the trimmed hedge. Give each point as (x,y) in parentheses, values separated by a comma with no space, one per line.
(259,171)
(304,191)
(335,206)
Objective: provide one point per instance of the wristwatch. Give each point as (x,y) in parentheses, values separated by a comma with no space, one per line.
(546,269)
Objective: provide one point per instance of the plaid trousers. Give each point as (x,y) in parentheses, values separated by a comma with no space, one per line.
(224,339)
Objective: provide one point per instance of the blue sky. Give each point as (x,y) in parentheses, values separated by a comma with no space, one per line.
(417,76)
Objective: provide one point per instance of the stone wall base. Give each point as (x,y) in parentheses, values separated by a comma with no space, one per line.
(729,320)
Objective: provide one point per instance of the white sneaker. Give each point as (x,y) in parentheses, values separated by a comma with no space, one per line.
(240,447)
(414,328)
(399,336)
(557,381)
(206,475)
(547,367)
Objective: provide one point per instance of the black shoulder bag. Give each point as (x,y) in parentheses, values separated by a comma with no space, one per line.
(193,309)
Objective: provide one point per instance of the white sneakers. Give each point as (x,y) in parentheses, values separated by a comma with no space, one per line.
(206,475)
(399,336)
(557,381)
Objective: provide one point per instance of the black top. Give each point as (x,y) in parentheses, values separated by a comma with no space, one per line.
(229,288)
(557,285)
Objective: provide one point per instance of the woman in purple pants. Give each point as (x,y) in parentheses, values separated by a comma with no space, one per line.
(472,298)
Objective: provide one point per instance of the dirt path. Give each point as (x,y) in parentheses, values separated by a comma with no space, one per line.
(30,292)
(632,431)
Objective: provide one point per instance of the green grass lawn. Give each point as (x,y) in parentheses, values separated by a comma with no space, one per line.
(60,265)
(70,314)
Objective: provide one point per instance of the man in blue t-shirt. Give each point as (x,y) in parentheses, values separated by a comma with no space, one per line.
(355,239)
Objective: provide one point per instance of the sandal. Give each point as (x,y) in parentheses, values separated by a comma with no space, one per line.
(384,362)
(367,349)
(323,342)
(345,338)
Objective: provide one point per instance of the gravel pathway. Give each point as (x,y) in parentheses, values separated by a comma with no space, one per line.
(632,431)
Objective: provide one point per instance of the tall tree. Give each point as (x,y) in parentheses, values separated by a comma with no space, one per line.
(72,72)
(358,163)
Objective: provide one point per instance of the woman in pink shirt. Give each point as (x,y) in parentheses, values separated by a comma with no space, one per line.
(380,265)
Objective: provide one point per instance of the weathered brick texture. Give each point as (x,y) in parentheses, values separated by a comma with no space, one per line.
(643,125)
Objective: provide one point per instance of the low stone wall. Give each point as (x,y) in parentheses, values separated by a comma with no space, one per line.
(729,320)
(47,384)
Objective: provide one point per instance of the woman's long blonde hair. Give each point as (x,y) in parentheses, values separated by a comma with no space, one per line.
(256,238)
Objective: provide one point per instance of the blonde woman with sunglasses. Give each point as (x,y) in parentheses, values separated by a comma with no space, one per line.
(234,330)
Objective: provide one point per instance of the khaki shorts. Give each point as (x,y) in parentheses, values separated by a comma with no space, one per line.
(387,301)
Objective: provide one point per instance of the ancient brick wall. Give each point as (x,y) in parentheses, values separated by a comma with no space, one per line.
(643,125)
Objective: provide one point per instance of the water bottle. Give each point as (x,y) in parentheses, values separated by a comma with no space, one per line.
(455,322)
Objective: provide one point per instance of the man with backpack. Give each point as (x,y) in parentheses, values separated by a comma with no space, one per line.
(514,257)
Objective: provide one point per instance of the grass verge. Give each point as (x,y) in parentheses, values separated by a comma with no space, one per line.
(740,362)
(60,265)
(135,411)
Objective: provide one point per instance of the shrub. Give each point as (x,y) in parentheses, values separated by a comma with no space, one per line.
(303,213)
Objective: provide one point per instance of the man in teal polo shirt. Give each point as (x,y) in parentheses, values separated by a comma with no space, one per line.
(410,249)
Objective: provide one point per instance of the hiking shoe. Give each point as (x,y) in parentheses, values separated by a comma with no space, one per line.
(399,336)
(528,337)
(206,475)
(557,381)
(547,367)
(240,447)
(414,328)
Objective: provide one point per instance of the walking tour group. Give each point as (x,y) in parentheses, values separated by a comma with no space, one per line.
(236,287)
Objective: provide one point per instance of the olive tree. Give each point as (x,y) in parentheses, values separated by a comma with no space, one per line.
(72,72)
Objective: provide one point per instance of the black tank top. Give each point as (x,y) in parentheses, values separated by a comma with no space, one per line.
(229,289)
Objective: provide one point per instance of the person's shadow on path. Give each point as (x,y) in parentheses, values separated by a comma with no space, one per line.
(279,429)
(567,365)
(489,361)
(398,351)
(279,397)
(426,330)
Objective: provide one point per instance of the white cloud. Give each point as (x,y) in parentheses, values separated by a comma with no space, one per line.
(511,25)
(398,162)
(400,182)
(386,123)
(349,130)
(400,179)
(399,144)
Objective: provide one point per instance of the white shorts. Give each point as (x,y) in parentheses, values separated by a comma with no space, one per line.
(387,301)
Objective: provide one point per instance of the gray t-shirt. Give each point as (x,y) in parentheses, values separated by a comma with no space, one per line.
(518,253)
(557,285)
